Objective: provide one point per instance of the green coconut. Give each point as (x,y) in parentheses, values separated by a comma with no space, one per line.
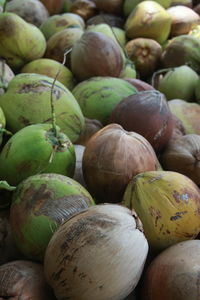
(51,68)
(182,50)
(168,205)
(98,96)
(129,5)
(188,113)
(57,23)
(149,20)
(40,204)
(179,83)
(27,101)
(20,41)
(36,149)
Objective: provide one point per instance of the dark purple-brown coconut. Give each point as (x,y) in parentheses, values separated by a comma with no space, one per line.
(95,54)
(24,280)
(148,114)
(111,158)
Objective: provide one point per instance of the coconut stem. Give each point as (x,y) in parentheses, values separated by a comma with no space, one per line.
(4,5)
(52,90)
(123,49)
(155,74)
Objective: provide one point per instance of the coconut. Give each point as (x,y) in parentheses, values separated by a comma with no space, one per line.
(148,114)
(179,83)
(168,204)
(183,155)
(57,23)
(28,101)
(183,19)
(188,113)
(103,249)
(53,6)
(146,55)
(98,96)
(182,50)
(25,279)
(129,5)
(60,43)
(87,51)
(40,204)
(174,274)
(20,42)
(32,11)
(36,149)
(148,20)
(111,158)
(84,8)
(51,68)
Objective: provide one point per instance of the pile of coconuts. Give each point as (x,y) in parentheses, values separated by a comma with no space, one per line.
(99,149)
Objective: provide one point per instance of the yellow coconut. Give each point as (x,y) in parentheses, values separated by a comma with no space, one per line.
(168,204)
